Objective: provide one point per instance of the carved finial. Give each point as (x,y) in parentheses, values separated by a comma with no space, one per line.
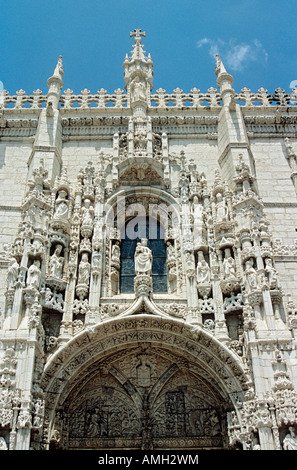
(138,71)
(220,68)
(59,72)
(137,34)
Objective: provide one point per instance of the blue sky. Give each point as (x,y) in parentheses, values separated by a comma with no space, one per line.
(256,40)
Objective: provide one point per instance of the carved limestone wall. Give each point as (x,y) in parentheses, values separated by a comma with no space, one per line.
(148,266)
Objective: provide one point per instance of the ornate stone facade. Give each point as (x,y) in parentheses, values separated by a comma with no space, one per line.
(148,266)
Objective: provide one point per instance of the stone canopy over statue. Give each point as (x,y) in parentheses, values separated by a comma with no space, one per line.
(143,258)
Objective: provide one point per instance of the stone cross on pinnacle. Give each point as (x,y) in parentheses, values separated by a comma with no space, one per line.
(137,34)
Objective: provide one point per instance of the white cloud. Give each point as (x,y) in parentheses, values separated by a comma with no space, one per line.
(236,56)
(203,41)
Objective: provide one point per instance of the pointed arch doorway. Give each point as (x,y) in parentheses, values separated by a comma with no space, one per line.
(142,383)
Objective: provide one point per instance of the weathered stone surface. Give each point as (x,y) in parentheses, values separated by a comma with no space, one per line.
(191,345)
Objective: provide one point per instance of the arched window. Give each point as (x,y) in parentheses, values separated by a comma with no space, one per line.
(149,228)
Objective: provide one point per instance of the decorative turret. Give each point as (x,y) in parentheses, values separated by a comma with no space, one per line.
(224,81)
(55,84)
(138,72)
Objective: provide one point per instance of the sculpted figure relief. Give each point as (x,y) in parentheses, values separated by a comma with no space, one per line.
(56,263)
(251,276)
(84,270)
(143,258)
(138,90)
(116,253)
(271,273)
(61,211)
(34,274)
(203,271)
(229,265)
(12,274)
(290,441)
(221,209)
(197,211)
(87,213)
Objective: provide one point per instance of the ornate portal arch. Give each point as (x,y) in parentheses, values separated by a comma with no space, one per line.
(141,382)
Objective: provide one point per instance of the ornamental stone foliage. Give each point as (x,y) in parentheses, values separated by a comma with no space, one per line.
(148,266)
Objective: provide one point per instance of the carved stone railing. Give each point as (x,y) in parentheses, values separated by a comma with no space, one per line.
(263,98)
(179,99)
(160,99)
(21,100)
(101,99)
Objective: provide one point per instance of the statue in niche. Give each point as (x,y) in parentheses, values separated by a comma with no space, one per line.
(271,273)
(35,216)
(251,276)
(138,90)
(56,263)
(116,254)
(170,252)
(87,213)
(197,212)
(61,211)
(229,265)
(12,274)
(171,261)
(203,270)
(221,208)
(34,275)
(290,441)
(143,258)
(203,275)
(84,270)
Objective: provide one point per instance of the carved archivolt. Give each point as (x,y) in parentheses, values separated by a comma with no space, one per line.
(96,343)
(140,353)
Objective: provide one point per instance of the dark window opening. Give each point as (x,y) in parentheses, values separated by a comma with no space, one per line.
(152,230)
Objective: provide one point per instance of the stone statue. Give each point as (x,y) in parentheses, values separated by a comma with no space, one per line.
(84,270)
(61,211)
(271,273)
(87,213)
(229,265)
(34,274)
(138,90)
(251,276)
(203,271)
(143,258)
(197,212)
(170,252)
(12,274)
(221,209)
(56,263)
(116,253)
(290,441)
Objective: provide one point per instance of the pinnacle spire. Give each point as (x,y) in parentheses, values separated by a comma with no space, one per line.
(59,72)
(220,68)
(138,67)
(138,52)
(224,81)
(55,84)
